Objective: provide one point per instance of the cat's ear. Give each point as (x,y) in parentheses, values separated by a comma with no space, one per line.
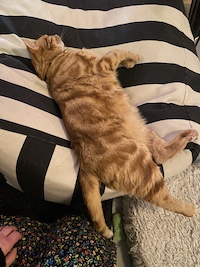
(31,45)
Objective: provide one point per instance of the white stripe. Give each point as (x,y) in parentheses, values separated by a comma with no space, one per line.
(61,176)
(10,147)
(158,51)
(176,93)
(177,163)
(13,45)
(169,128)
(23,114)
(110,193)
(95,19)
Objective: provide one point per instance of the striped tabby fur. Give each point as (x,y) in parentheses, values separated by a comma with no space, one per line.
(110,138)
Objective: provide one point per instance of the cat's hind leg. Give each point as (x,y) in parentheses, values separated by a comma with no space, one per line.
(159,195)
(162,150)
(151,187)
(112,60)
(92,199)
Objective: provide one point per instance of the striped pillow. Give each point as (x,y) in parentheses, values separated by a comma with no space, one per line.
(35,153)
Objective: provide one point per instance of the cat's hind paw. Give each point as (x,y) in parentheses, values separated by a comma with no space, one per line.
(190,135)
(190,210)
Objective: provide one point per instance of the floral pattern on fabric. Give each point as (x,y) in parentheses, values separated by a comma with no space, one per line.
(70,241)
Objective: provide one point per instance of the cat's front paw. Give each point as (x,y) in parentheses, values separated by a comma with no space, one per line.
(131,60)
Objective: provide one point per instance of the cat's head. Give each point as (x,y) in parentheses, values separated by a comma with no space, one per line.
(43,51)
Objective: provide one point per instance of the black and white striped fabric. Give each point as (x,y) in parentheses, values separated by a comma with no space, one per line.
(35,153)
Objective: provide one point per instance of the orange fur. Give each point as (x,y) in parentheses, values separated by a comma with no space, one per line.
(109,136)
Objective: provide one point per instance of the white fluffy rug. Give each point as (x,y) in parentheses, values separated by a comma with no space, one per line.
(160,238)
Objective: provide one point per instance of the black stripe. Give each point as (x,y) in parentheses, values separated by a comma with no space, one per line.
(107,5)
(32,165)
(10,61)
(17,62)
(2,178)
(195,150)
(77,202)
(158,73)
(24,130)
(153,112)
(94,38)
(29,97)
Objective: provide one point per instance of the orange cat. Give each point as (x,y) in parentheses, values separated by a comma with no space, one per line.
(109,136)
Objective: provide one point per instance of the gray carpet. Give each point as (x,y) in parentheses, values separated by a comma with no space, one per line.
(160,238)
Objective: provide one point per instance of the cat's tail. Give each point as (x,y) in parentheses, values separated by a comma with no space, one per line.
(154,190)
